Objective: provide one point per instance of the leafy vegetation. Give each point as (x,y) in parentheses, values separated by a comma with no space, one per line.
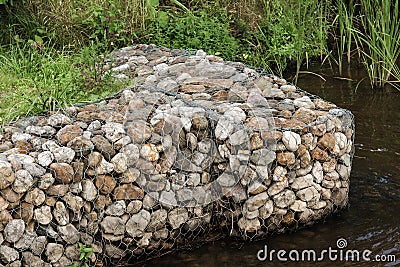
(49,48)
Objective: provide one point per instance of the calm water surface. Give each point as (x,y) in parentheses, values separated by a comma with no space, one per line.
(372,220)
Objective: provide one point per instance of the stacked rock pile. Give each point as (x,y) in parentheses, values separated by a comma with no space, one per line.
(196,146)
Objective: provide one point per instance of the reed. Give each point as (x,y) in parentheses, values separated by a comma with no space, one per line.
(380,37)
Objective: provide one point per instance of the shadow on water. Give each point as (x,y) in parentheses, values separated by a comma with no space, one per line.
(372,220)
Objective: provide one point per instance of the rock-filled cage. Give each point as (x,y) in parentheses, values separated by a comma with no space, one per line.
(196,148)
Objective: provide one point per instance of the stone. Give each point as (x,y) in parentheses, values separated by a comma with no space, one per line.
(305,115)
(23,181)
(262,156)
(299,206)
(35,196)
(120,163)
(308,194)
(28,259)
(291,140)
(3,204)
(94,159)
(63,172)
(89,190)
(317,172)
(75,203)
(149,152)
(68,133)
(302,182)
(7,177)
(277,187)
(69,233)
(131,152)
(116,209)
(81,144)
(285,158)
(45,181)
(255,202)
(177,217)
(105,183)
(54,252)
(134,207)
(42,131)
(114,252)
(57,190)
(279,173)
(104,146)
(113,225)
(266,210)
(46,158)
(14,230)
(137,223)
(34,169)
(38,245)
(158,220)
(329,165)
(61,213)
(128,191)
(139,131)
(250,226)
(43,215)
(304,102)
(284,199)
(8,255)
(113,131)
(57,120)
(9,195)
(327,141)
(319,154)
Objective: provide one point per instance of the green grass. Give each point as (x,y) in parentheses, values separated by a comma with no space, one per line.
(381,40)
(35,80)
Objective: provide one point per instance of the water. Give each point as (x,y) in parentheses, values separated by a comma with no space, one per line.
(372,220)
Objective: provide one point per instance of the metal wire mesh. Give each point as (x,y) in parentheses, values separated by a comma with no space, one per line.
(197,149)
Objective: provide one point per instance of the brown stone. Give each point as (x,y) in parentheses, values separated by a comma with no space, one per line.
(3,203)
(9,195)
(301,150)
(327,141)
(289,124)
(6,177)
(104,146)
(51,201)
(62,172)
(220,95)
(139,131)
(78,167)
(94,159)
(285,158)
(192,88)
(57,190)
(128,191)
(24,212)
(35,196)
(271,135)
(110,116)
(200,123)
(68,133)
(304,115)
(105,183)
(102,201)
(256,142)
(319,154)
(5,217)
(23,147)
